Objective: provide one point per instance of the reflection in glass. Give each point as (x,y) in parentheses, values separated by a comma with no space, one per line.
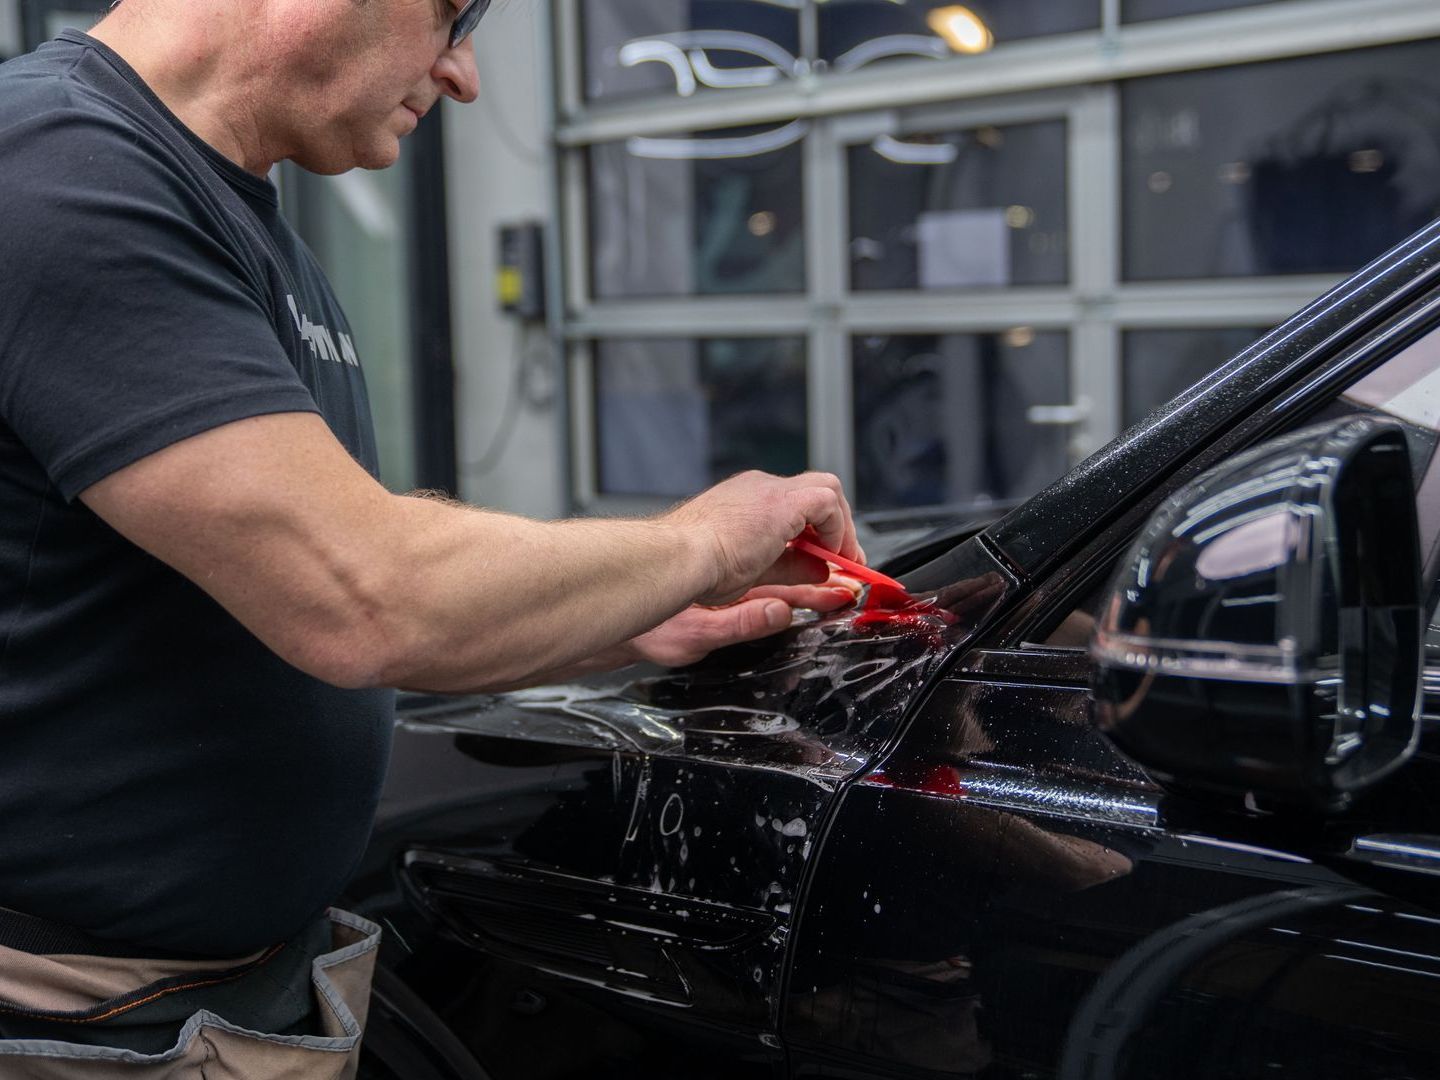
(1145,10)
(960,209)
(1311,165)
(943,418)
(668,47)
(718,213)
(1407,388)
(355,224)
(676,415)
(855,33)
(1160,363)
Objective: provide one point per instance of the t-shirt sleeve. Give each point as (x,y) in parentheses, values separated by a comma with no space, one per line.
(130,318)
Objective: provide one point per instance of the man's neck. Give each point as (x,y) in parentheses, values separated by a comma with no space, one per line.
(196,64)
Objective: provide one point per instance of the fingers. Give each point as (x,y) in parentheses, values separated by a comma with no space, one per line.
(831,596)
(745,523)
(795,568)
(825,507)
(695,632)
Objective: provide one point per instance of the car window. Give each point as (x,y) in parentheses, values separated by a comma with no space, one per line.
(1405,388)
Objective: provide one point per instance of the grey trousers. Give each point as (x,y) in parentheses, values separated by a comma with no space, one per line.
(90,1017)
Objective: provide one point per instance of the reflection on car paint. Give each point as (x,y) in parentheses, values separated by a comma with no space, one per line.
(1019,789)
(617,799)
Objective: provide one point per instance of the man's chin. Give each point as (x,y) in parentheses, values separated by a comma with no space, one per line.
(380,154)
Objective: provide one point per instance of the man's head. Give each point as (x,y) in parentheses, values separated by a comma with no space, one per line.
(361,73)
(329,84)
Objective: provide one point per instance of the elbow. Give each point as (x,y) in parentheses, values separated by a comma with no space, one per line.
(358,657)
(363,643)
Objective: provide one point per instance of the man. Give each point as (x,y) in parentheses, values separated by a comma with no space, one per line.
(204,592)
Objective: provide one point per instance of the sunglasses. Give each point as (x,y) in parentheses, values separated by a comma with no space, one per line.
(465,20)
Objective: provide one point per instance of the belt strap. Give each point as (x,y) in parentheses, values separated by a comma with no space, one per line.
(41,937)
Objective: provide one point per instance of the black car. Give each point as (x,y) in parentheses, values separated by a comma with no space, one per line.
(1147,786)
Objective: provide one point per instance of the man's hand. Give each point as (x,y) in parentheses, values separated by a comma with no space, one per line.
(697,631)
(748,520)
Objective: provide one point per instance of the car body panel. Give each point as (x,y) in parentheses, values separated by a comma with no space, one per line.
(1025,869)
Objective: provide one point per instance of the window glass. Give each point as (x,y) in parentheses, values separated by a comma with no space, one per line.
(676,415)
(356,225)
(1311,165)
(719,213)
(959,209)
(1407,388)
(952,418)
(669,47)
(1158,364)
(856,33)
(42,20)
(1145,10)
(11,40)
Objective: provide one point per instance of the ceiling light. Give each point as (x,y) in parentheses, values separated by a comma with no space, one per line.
(961,28)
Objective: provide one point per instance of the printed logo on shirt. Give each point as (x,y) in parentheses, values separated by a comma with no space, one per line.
(319,339)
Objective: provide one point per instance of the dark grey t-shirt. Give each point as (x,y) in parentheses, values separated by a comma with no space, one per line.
(164,778)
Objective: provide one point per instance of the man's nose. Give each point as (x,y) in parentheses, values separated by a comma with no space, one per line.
(457,74)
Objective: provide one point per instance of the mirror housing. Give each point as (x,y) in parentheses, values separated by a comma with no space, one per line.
(1261,644)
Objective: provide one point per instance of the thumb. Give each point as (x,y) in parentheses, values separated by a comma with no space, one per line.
(749,620)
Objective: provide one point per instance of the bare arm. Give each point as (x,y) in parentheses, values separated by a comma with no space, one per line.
(360,587)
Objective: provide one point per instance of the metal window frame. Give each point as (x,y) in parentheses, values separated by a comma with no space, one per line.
(1075,77)
(1219,39)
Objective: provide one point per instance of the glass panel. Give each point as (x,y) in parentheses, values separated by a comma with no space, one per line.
(1312,165)
(1161,363)
(947,418)
(855,33)
(722,213)
(959,209)
(667,47)
(1407,388)
(676,415)
(1145,10)
(355,224)
(40,20)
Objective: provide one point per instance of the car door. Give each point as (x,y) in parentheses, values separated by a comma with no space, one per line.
(622,858)
(1007,895)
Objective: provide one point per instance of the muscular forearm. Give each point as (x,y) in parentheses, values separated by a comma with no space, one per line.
(360,587)
(481,600)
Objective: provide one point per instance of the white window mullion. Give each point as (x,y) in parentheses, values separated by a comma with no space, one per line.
(1094,201)
(829,412)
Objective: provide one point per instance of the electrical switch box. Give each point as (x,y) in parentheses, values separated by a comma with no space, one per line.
(520,279)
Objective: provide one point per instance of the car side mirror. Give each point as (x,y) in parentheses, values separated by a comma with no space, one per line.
(1262,643)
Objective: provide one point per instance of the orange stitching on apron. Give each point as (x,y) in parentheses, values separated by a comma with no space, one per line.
(199,984)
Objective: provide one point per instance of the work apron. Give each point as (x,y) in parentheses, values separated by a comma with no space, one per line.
(295,1011)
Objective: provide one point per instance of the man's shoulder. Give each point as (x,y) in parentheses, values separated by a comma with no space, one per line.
(54,78)
(56,109)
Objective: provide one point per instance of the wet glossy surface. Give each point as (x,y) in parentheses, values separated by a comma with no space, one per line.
(1008,899)
(646,840)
